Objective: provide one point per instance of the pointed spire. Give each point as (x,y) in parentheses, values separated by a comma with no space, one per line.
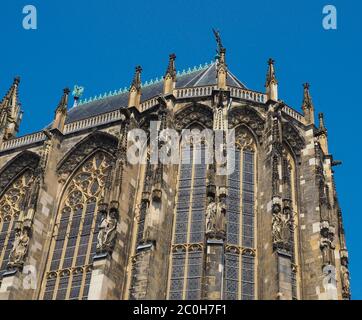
(12,94)
(307,100)
(221,67)
(170,75)
(10,113)
(63,103)
(61,111)
(271,84)
(322,134)
(307,105)
(137,78)
(221,70)
(135,89)
(322,126)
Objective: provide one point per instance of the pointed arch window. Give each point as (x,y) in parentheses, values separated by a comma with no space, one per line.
(10,207)
(189,229)
(240,242)
(74,238)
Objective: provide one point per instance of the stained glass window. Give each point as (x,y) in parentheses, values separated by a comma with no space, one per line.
(231,276)
(10,203)
(239,268)
(186,269)
(74,237)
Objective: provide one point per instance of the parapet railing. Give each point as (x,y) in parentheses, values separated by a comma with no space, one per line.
(103,118)
(148,104)
(294,114)
(68,128)
(22,141)
(116,115)
(248,95)
(193,92)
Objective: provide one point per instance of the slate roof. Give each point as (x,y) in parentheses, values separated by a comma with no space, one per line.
(200,77)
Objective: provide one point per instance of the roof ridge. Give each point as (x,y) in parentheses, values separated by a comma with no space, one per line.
(144,85)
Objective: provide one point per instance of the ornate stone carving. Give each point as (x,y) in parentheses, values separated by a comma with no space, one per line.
(248,116)
(294,139)
(210,215)
(244,140)
(107,230)
(20,248)
(96,141)
(26,160)
(327,252)
(220,218)
(216,216)
(12,201)
(281,225)
(194,113)
(275,176)
(345,277)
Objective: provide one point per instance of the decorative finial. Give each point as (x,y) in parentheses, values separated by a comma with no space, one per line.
(270,77)
(307,100)
(10,120)
(134,98)
(307,105)
(271,83)
(170,75)
(136,83)
(171,70)
(61,111)
(321,121)
(62,107)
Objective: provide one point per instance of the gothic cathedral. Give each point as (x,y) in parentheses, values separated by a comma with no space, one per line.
(79,221)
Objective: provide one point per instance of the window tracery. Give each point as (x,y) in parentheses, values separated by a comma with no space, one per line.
(11,203)
(74,238)
(240,246)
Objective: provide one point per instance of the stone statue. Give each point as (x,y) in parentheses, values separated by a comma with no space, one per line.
(78,91)
(107,231)
(211,215)
(345,280)
(20,248)
(281,224)
(220,218)
(326,250)
(277,229)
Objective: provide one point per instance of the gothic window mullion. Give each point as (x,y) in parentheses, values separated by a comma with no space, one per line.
(179,254)
(77,247)
(196,226)
(62,282)
(10,207)
(75,235)
(232,259)
(9,238)
(248,221)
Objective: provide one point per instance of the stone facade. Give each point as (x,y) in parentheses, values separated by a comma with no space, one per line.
(78,221)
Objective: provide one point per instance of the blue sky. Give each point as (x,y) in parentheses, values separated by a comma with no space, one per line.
(96,44)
